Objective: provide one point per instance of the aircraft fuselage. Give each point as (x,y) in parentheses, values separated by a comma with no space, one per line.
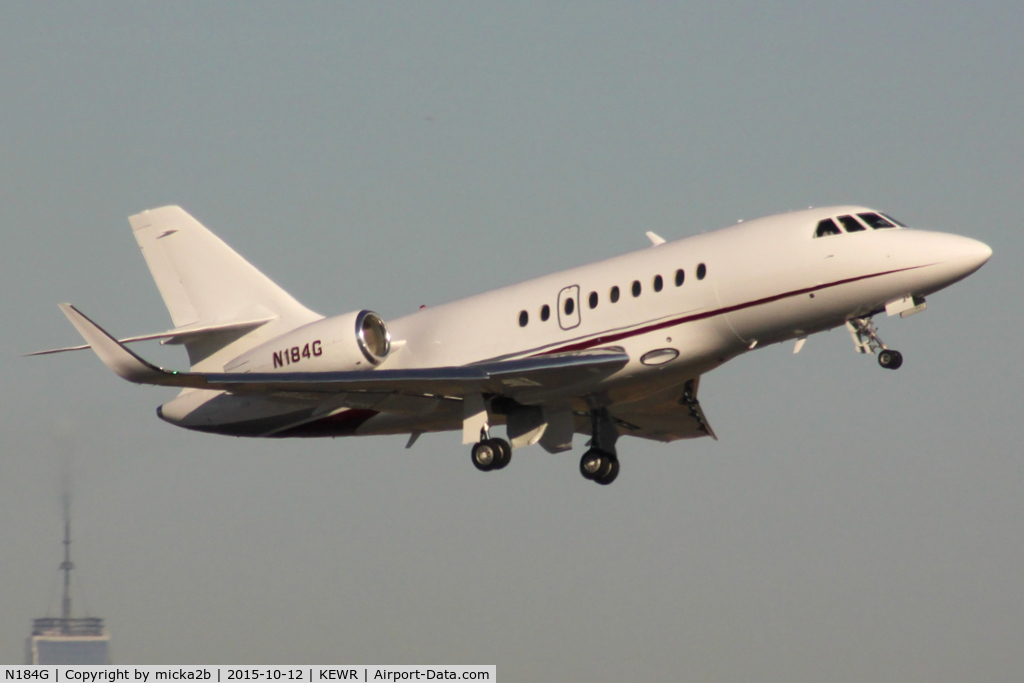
(678,309)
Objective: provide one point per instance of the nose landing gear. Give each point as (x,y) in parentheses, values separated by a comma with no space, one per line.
(866,340)
(600,463)
(890,360)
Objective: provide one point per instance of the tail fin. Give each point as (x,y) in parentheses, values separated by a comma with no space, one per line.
(204,282)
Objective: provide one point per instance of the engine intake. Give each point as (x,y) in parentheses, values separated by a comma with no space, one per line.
(373,336)
(354,341)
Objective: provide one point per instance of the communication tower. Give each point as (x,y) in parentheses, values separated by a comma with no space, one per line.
(66,639)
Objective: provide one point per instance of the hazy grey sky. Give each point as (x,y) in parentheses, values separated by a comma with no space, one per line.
(851,524)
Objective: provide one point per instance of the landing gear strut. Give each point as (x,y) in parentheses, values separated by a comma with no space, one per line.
(491,454)
(866,340)
(600,463)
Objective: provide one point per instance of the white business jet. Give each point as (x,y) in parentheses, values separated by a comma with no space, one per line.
(608,349)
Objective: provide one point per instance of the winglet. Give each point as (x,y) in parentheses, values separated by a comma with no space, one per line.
(114,355)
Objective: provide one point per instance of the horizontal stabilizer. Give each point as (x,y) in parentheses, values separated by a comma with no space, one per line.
(176,336)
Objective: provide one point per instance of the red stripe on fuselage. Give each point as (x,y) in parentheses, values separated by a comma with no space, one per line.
(610,338)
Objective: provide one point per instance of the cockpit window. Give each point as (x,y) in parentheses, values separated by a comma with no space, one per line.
(827,227)
(902,225)
(851,224)
(875,221)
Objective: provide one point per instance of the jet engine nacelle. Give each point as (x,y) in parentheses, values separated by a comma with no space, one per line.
(353,341)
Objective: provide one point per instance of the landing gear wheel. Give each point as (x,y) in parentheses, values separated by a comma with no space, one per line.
(889,359)
(595,464)
(504,450)
(485,455)
(590,463)
(613,472)
(491,454)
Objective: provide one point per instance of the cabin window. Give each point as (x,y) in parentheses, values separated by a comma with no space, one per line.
(875,221)
(827,227)
(524,318)
(545,312)
(613,295)
(680,276)
(851,224)
(702,270)
(570,306)
(636,288)
(592,299)
(902,225)
(658,283)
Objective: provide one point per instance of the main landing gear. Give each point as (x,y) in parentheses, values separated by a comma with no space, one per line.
(599,466)
(866,340)
(491,454)
(600,463)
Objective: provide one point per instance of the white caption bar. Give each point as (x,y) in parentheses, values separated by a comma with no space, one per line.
(228,674)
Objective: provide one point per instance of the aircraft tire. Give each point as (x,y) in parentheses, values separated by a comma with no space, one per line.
(595,464)
(613,472)
(889,359)
(504,451)
(485,455)
(588,466)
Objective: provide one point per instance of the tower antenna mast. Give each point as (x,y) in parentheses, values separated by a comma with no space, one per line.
(66,639)
(66,566)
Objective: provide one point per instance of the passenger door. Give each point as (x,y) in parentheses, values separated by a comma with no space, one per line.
(569,307)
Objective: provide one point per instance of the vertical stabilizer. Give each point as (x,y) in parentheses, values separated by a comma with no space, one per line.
(204,282)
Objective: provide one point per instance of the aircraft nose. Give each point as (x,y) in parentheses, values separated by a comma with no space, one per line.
(946,258)
(970,255)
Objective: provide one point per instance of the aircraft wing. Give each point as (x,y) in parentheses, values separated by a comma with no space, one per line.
(506,377)
(668,415)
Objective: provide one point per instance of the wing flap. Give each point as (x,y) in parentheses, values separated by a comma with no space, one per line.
(669,415)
